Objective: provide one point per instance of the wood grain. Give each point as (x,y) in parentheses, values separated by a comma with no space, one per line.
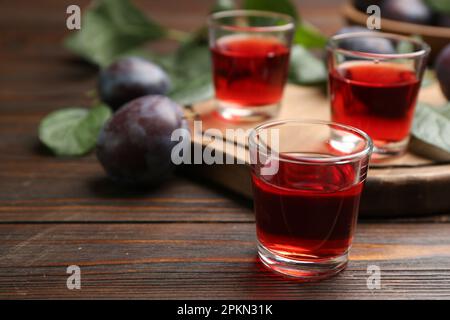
(214,260)
(185,239)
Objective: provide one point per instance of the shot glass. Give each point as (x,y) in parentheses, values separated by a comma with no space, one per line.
(374,80)
(307,181)
(250,59)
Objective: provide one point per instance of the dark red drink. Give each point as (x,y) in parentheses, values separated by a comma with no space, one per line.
(249,71)
(376,98)
(307,211)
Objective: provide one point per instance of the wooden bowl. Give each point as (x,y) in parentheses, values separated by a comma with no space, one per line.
(436,37)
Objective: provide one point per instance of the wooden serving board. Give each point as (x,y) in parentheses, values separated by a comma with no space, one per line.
(407,185)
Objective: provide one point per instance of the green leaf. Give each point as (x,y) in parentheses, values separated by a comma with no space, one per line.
(305,68)
(222,5)
(196,89)
(190,72)
(432,125)
(405,46)
(429,78)
(439,5)
(73,131)
(111,28)
(281,6)
(305,34)
(309,37)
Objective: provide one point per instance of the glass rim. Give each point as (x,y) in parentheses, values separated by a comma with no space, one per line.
(316,160)
(423,51)
(214,20)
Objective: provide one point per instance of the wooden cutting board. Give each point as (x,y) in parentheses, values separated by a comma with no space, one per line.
(408,185)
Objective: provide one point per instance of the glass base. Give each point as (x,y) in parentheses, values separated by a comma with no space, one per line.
(306,270)
(383,150)
(236,112)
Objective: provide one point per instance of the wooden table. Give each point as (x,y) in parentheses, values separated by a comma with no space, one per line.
(187,239)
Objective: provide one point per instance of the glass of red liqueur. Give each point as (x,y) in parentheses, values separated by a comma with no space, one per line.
(307,181)
(250,59)
(375,87)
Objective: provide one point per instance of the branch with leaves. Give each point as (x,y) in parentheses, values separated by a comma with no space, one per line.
(113,29)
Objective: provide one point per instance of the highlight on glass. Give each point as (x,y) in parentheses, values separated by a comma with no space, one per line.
(375,87)
(306,210)
(250,58)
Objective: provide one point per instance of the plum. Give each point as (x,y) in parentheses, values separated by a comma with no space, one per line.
(443,20)
(130,78)
(442,67)
(135,145)
(365,44)
(413,11)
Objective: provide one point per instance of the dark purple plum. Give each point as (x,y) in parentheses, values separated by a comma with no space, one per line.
(367,44)
(443,70)
(443,20)
(363,4)
(130,78)
(413,11)
(135,145)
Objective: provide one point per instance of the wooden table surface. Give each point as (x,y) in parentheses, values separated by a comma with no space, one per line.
(187,239)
